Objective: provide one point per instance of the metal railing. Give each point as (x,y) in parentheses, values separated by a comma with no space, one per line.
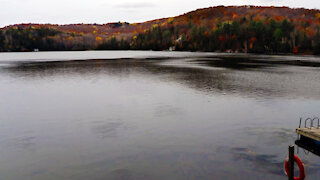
(311,123)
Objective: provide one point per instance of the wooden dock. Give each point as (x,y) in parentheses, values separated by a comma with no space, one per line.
(312,133)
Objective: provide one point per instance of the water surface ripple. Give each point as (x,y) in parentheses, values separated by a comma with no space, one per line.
(153,115)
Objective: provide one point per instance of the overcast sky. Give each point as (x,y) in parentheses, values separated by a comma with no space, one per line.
(104,11)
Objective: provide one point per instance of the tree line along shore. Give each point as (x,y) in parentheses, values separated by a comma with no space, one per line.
(250,29)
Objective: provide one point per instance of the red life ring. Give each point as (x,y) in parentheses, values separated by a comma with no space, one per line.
(302,174)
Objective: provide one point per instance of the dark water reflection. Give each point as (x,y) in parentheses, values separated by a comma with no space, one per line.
(199,117)
(240,75)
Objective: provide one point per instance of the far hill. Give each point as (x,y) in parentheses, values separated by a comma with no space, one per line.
(233,29)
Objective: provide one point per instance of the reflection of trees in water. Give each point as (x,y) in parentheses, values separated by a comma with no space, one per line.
(243,76)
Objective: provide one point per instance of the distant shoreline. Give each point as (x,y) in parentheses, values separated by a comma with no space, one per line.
(218,52)
(249,29)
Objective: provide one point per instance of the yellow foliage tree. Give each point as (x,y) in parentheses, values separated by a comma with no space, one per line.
(98,38)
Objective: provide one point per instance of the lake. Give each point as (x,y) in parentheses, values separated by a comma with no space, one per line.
(153,115)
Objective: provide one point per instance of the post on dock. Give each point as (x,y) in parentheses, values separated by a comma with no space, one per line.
(291,162)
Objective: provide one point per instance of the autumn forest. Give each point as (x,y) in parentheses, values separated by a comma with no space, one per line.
(252,29)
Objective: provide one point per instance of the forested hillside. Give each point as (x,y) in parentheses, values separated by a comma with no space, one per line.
(222,29)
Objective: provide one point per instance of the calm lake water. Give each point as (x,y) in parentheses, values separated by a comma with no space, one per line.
(139,115)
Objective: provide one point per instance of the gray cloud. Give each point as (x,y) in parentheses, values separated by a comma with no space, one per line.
(5,1)
(102,11)
(135,5)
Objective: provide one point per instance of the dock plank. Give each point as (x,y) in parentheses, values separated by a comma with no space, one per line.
(313,133)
